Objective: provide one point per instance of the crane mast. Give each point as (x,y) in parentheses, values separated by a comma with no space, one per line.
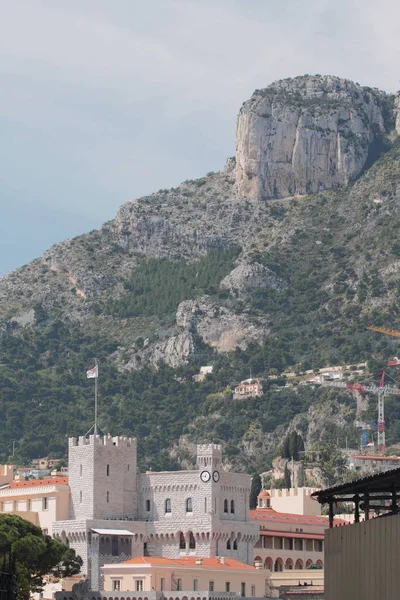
(381,391)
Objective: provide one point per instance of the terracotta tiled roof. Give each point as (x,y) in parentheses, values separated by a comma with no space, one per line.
(271,516)
(190,561)
(39,482)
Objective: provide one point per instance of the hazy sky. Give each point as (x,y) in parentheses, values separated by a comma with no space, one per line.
(103,101)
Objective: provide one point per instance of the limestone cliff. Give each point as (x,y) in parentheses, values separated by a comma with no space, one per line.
(303,135)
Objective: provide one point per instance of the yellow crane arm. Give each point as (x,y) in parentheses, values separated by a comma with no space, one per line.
(391,332)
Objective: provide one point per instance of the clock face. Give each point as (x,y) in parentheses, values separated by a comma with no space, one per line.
(205,476)
(216,476)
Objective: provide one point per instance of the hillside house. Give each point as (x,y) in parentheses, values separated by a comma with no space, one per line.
(247,389)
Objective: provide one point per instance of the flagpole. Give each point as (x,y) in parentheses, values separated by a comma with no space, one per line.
(95,395)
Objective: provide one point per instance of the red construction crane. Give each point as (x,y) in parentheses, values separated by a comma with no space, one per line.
(382,390)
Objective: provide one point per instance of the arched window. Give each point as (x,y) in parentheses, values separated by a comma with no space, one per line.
(228,544)
(232,506)
(189,505)
(235,544)
(225,506)
(192,541)
(182,541)
(168,505)
(148,505)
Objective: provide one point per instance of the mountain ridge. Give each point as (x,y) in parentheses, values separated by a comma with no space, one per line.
(310,272)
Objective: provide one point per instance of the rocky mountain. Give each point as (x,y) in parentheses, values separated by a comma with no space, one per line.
(279,260)
(308,134)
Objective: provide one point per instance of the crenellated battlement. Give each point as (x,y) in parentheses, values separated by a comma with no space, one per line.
(206,448)
(102,440)
(290,492)
(209,455)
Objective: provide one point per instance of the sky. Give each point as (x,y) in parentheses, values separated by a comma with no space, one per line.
(105,101)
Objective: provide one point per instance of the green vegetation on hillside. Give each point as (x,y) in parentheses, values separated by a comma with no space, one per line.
(158,285)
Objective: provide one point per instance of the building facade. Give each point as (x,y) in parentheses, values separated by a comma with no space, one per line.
(42,502)
(117,514)
(189,573)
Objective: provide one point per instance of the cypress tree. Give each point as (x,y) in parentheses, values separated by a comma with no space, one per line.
(255,490)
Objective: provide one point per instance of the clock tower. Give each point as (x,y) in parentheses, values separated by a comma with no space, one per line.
(209,457)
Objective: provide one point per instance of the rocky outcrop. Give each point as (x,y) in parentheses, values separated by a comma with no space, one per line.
(219,326)
(197,321)
(303,135)
(397,112)
(247,277)
(174,352)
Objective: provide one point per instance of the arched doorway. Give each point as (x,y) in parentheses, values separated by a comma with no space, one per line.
(299,564)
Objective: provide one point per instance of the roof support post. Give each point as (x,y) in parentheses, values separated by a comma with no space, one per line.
(393,505)
(330,501)
(366,505)
(356,508)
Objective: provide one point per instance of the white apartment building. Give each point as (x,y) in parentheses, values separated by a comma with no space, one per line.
(39,501)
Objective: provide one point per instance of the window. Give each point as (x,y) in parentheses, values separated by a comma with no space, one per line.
(148,505)
(139,585)
(80,470)
(210,586)
(108,497)
(228,545)
(182,541)
(45,503)
(179,585)
(108,470)
(29,506)
(253,590)
(235,544)
(225,506)
(205,505)
(128,467)
(227,586)
(189,505)
(243,588)
(168,506)
(232,506)
(114,546)
(116,585)
(162,584)
(80,497)
(195,585)
(45,531)
(192,541)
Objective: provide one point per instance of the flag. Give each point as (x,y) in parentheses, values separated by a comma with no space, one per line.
(92,372)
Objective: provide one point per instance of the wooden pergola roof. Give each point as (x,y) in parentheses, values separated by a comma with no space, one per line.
(364,493)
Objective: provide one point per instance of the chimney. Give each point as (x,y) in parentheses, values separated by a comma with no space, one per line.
(199,562)
(222,560)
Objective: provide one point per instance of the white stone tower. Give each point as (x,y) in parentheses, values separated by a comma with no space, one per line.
(102,477)
(209,457)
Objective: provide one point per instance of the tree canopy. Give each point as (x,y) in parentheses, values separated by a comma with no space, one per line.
(36,554)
